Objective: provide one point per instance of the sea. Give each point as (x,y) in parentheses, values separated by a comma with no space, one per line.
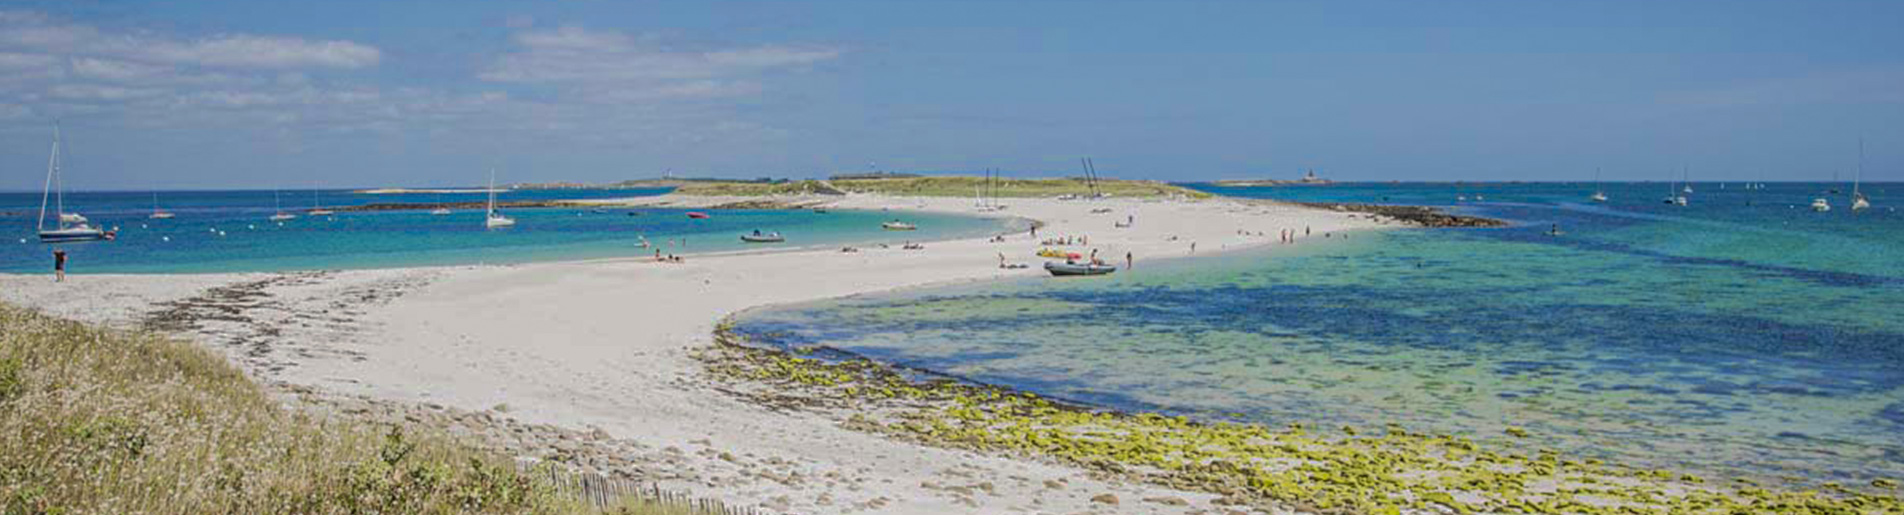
(1743,334)
(230,231)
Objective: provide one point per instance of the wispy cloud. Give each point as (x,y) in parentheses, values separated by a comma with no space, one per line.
(614,65)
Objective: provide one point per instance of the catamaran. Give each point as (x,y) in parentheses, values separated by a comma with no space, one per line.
(1858,202)
(68,226)
(158,214)
(495,218)
(282,215)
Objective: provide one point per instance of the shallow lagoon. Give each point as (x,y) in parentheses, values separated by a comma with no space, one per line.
(1732,338)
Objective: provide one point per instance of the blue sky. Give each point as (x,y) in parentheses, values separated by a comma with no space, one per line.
(231,94)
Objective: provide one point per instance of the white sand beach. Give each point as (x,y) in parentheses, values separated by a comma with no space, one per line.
(606,345)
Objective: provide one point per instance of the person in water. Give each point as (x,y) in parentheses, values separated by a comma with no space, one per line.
(59,265)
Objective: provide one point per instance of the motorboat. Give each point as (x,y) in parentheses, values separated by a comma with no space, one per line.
(758,237)
(1820,205)
(896,225)
(697,215)
(1071,269)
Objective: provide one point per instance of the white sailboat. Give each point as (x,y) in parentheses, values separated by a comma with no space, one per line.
(1672,195)
(1599,192)
(278,200)
(317,209)
(158,214)
(1858,202)
(67,226)
(494,218)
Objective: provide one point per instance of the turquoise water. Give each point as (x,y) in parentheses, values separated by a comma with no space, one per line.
(1739,335)
(374,239)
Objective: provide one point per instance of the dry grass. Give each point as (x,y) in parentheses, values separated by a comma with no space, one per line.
(101,421)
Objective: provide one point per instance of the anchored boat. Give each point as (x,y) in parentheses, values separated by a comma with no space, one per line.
(495,218)
(67,226)
(1068,269)
(758,237)
(896,225)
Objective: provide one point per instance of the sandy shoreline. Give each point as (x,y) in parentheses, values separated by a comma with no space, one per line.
(603,347)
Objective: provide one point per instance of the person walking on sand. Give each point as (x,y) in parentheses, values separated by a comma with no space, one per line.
(1128,261)
(1193,247)
(59,265)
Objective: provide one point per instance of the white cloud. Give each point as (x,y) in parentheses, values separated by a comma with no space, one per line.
(38,34)
(595,63)
(243,51)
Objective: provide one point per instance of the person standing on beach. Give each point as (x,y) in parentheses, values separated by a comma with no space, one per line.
(1193,247)
(59,265)
(1129,262)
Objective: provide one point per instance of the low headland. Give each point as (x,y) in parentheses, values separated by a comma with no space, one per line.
(627,368)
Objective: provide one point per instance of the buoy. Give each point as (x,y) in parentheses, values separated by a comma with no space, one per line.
(165,238)
(221,233)
(253,227)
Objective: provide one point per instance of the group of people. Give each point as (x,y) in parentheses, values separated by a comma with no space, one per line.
(670,258)
(1067,240)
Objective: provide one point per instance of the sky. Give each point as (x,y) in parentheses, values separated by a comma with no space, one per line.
(222,94)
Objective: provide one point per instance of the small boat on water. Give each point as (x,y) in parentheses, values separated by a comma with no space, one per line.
(158,214)
(896,225)
(1599,191)
(1070,269)
(66,226)
(697,215)
(760,237)
(282,215)
(1820,205)
(1858,201)
(317,209)
(440,211)
(495,218)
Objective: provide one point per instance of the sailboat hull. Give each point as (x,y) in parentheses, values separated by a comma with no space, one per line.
(67,235)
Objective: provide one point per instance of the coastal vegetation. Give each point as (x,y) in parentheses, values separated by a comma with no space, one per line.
(1354,470)
(104,421)
(949,186)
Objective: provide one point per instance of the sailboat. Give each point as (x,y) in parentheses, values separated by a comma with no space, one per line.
(494,218)
(1599,192)
(1686,175)
(316,208)
(68,226)
(1673,197)
(158,214)
(1858,202)
(281,215)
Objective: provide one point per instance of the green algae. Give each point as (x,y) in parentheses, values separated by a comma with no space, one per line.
(1349,469)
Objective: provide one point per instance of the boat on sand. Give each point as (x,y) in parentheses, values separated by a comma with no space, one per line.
(1069,269)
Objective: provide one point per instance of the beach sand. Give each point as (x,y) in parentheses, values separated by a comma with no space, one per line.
(603,349)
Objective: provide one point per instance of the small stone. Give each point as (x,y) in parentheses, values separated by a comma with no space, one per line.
(1053,484)
(1105,498)
(1168,500)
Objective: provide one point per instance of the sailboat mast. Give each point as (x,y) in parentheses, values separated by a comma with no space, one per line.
(1856,179)
(52,172)
(492,191)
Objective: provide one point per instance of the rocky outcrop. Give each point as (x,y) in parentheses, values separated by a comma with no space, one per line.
(1413,215)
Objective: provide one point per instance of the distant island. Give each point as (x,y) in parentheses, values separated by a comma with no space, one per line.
(1309,179)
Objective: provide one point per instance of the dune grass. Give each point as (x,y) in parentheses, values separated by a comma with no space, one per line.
(944,186)
(94,420)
